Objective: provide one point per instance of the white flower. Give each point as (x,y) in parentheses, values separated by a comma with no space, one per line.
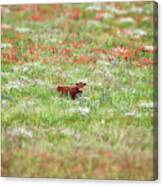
(15,69)
(6,45)
(127,20)
(140,32)
(148,47)
(147,105)
(39,82)
(70,132)
(133,113)
(115,10)
(102,121)
(14,85)
(25,69)
(18,132)
(137,10)
(84,111)
(4,102)
(103,62)
(22,29)
(94,7)
(99,83)
(81,110)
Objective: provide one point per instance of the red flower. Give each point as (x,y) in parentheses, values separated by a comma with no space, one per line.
(147,61)
(100,15)
(36,18)
(75,13)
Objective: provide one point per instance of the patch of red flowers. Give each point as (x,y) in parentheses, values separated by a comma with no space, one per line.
(85,59)
(75,13)
(36,18)
(146,61)
(100,15)
(66,52)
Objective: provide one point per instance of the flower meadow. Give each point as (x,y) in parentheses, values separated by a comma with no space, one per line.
(106,133)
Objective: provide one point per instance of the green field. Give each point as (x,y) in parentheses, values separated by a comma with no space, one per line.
(108,132)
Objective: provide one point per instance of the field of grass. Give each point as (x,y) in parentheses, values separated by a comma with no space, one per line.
(108,132)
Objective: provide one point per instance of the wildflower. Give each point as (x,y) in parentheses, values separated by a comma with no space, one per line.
(146,61)
(39,82)
(102,121)
(100,15)
(6,45)
(18,132)
(15,85)
(94,7)
(149,48)
(140,32)
(127,20)
(137,10)
(75,13)
(147,104)
(70,132)
(22,29)
(36,18)
(84,111)
(132,114)
(81,110)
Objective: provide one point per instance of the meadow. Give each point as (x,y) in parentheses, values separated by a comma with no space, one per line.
(108,132)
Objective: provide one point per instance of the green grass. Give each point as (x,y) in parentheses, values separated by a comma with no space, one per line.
(105,134)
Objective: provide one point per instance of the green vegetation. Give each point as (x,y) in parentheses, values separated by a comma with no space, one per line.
(107,133)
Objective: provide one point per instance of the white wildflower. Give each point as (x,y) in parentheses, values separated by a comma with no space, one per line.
(15,69)
(127,20)
(22,29)
(70,132)
(108,16)
(137,10)
(115,10)
(140,32)
(19,132)
(84,110)
(103,62)
(39,82)
(147,105)
(99,83)
(15,85)
(94,8)
(25,69)
(102,121)
(81,110)
(4,102)
(120,12)
(148,47)
(6,45)
(133,113)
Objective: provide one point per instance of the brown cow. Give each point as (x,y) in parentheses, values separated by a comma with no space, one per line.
(73,91)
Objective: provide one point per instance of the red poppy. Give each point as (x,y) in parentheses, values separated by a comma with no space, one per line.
(75,13)
(36,18)
(100,15)
(147,61)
